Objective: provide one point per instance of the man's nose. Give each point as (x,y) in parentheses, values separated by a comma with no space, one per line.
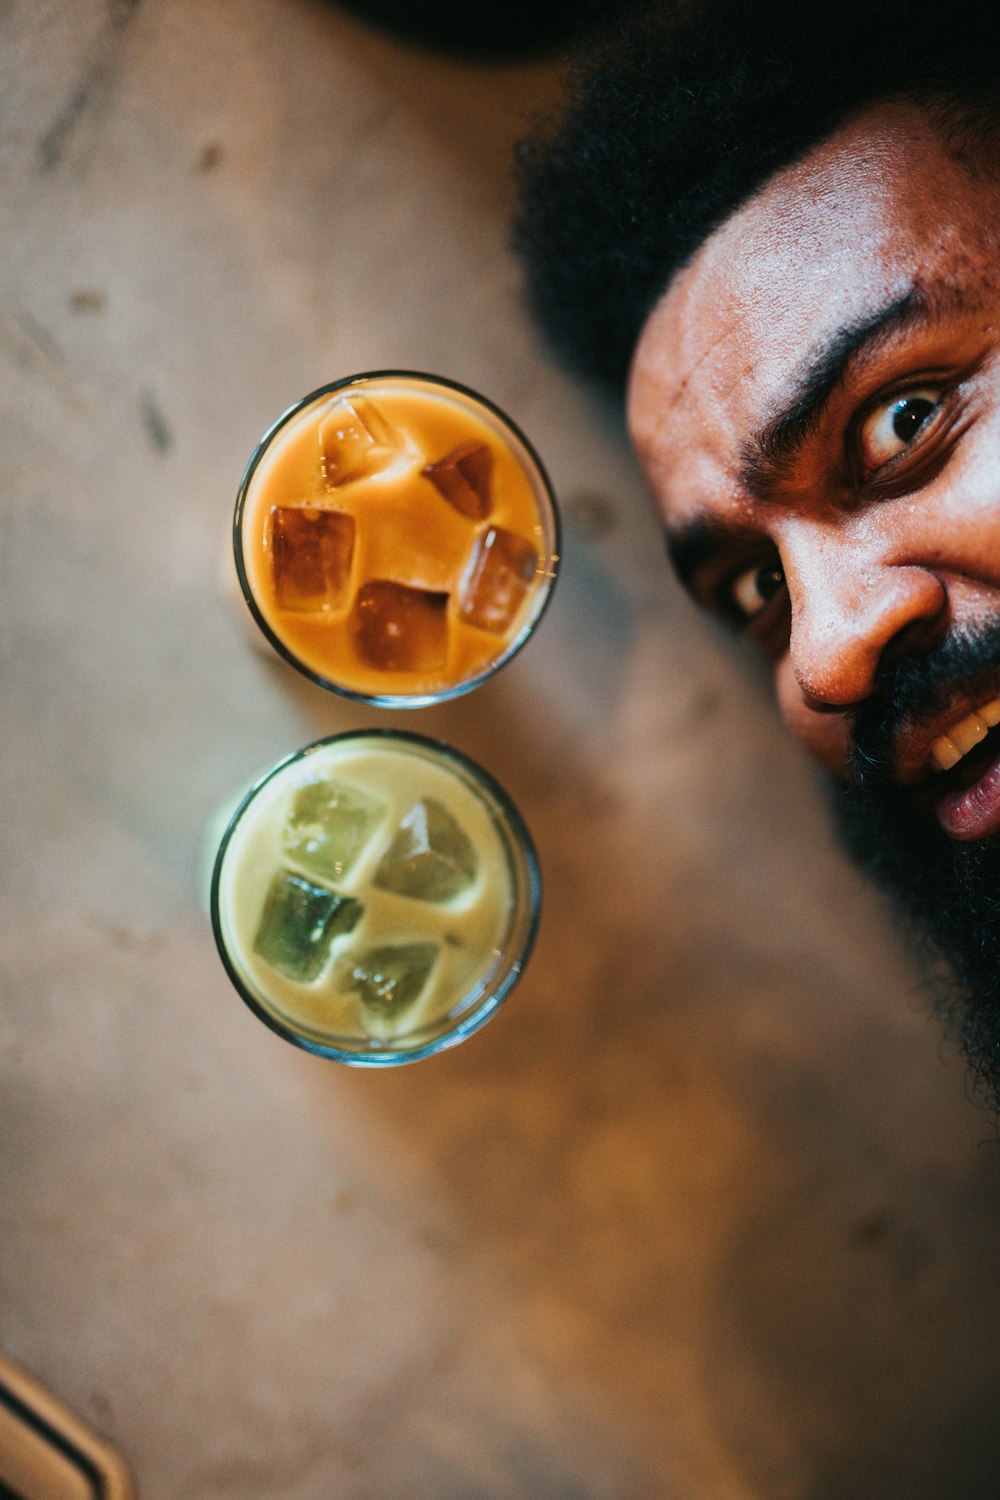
(853,615)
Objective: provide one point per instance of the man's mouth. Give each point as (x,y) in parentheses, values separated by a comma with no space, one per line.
(963,736)
(964,762)
(933,729)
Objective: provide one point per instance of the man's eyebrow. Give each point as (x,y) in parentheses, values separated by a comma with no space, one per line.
(768,456)
(770,453)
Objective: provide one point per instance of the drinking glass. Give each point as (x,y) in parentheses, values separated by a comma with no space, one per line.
(396,537)
(375,897)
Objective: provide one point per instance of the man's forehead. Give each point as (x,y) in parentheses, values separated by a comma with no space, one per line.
(828,240)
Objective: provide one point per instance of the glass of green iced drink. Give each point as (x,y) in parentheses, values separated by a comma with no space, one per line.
(375,897)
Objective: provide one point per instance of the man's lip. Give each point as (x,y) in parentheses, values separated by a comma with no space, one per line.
(972,812)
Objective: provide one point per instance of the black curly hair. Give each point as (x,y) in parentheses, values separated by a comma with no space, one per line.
(681,113)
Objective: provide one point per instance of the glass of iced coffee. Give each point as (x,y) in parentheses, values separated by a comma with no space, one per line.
(396,538)
(375,897)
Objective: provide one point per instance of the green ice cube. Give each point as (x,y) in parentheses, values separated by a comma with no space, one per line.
(430,857)
(328,827)
(391,978)
(299,923)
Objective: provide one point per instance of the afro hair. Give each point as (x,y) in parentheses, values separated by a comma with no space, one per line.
(675,117)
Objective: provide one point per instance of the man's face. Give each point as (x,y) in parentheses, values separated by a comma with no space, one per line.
(816,402)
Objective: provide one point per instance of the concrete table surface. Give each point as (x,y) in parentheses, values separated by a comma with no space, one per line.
(705,1211)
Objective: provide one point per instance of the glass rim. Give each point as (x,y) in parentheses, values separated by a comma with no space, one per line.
(529,890)
(544,591)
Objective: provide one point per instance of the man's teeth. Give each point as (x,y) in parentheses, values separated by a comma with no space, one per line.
(948,749)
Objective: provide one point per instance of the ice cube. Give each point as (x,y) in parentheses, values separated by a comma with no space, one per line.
(388,979)
(299,923)
(311,552)
(356,439)
(401,629)
(328,825)
(430,858)
(463,477)
(407,532)
(500,573)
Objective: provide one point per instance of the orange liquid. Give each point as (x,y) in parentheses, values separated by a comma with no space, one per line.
(409,549)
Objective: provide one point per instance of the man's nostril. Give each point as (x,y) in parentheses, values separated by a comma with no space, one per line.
(915,639)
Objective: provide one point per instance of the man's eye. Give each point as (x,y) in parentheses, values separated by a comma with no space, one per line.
(755,587)
(894,424)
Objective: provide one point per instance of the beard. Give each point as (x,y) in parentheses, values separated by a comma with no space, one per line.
(945,892)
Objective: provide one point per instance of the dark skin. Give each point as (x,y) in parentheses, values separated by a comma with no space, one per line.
(816,402)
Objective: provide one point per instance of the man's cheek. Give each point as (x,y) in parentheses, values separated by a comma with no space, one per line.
(826,736)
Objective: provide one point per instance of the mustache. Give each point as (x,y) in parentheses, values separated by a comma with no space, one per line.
(916,688)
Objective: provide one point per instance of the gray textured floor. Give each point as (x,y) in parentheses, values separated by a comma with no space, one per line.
(705,1212)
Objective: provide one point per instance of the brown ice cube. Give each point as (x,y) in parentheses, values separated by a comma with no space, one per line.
(311,552)
(356,439)
(464,477)
(401,629)
(500,573)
